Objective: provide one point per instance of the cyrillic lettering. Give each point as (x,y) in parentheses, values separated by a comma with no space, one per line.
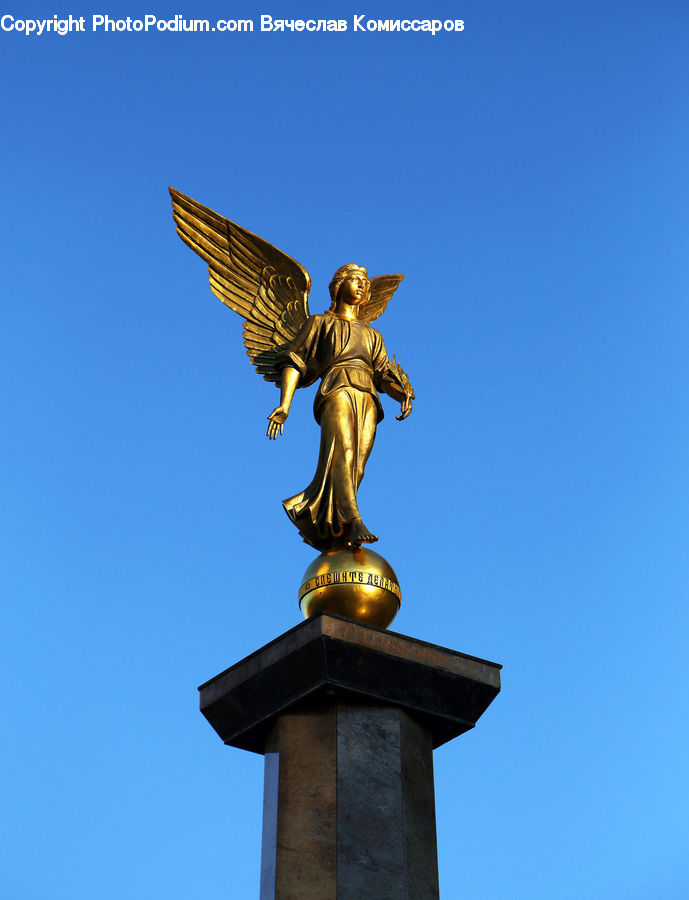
(357,23)
(459,24)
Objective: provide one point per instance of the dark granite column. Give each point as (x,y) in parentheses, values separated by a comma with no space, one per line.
(299,852)
(349,807)
(347,717)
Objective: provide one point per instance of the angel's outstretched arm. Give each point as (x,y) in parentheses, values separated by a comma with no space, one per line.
(288,385)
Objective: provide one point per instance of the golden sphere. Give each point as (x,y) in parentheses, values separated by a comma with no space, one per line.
(358,584)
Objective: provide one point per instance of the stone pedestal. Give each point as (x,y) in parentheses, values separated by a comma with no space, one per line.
(347,717)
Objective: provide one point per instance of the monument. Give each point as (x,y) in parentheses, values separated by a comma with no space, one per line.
(345,713)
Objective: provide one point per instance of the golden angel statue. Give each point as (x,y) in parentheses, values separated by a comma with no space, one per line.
(293,348)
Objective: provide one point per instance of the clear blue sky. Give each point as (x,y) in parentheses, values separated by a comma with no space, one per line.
(530,178)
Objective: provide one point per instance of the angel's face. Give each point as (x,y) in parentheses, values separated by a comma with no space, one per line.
(353,290)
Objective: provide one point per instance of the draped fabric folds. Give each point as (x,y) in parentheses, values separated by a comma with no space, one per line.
(350,359)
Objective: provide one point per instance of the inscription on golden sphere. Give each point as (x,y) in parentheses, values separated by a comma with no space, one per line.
(359,584)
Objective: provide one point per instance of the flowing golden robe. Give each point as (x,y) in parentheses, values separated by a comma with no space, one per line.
(350,359)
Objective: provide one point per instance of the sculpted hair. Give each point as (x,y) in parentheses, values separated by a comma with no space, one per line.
(339,276)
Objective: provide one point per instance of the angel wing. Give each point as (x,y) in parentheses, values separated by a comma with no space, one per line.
(382,289)
(261,283)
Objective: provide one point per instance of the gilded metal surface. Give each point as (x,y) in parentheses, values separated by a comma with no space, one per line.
(292,348)
(359,584)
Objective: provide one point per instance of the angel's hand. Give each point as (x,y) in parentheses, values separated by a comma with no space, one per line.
(405,409)
(277,420)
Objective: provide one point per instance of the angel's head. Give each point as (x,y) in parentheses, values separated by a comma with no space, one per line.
(350,281)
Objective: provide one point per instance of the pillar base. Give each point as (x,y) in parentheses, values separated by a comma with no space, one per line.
(347,716)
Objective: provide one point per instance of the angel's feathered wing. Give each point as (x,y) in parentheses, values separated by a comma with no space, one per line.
(265,286)
(382,289)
